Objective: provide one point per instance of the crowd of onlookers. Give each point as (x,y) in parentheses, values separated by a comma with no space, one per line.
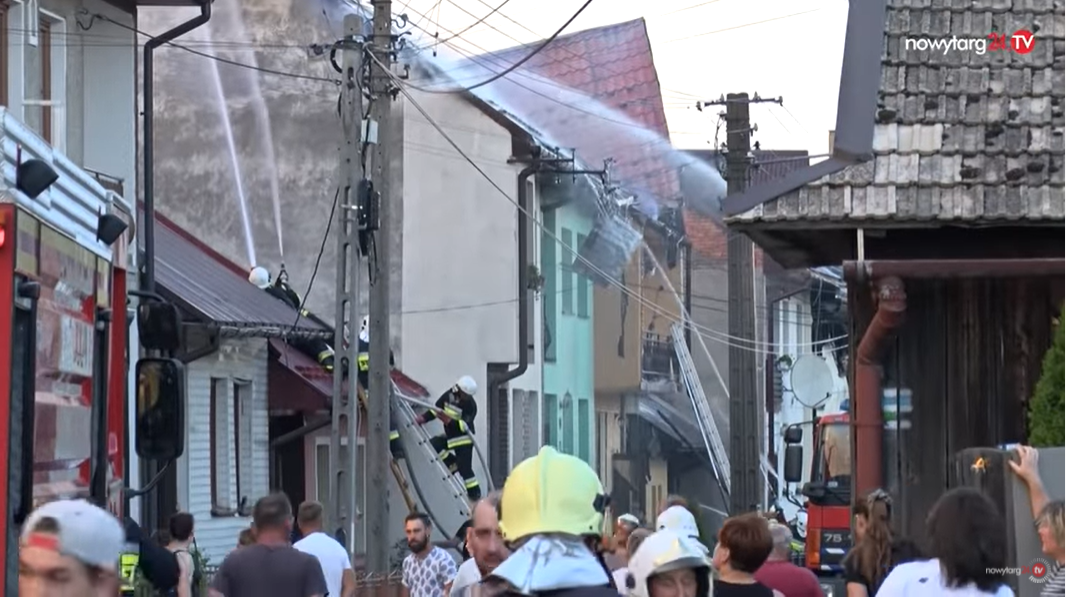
(543,534)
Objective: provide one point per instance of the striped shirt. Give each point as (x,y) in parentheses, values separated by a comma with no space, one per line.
(1056,583)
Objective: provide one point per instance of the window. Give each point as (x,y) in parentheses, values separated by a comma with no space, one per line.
(583,306)
(584,441)
(5,5)
(221,447)
(602,453)
(566,295)
(568,424)
(549,263)
(551,420)
(242,440)
(44,74)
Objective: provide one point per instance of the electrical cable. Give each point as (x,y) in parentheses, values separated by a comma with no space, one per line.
(268,71)
(471,25)
(744,26)
(550,233)
(520,62)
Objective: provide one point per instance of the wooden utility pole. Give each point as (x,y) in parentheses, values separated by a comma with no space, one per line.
(379,405)
(345,404)
(746,491)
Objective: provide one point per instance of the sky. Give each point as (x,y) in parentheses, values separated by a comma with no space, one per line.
(703,49)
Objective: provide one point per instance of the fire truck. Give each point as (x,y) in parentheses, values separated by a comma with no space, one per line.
(63,351)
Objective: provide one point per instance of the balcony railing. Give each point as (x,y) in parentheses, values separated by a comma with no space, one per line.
(658,359)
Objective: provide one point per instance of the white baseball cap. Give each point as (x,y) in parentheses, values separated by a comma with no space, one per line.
(86,532)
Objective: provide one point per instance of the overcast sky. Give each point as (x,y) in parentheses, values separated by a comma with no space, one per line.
(703,49)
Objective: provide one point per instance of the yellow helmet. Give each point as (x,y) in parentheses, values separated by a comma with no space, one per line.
(552,493)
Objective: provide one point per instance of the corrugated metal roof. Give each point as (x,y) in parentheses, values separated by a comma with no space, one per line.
(211,287)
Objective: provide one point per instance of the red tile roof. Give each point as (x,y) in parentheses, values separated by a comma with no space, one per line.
(612,65)
(709,238)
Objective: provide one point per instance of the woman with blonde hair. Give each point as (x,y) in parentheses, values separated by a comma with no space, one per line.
(1048,515)
(246,538)
(875,551)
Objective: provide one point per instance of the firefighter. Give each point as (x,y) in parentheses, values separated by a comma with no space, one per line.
(316,348)
(669,560)
(363,366)
(456,408)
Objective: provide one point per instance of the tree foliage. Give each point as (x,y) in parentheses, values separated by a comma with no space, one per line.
(1047,409)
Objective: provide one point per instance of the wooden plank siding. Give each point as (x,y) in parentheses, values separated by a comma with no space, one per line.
(240,361)
(970,352)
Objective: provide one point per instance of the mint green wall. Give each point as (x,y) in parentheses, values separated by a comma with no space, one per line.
(568,358)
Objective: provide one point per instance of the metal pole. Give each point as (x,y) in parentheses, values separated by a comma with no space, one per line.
(344,408)
(378,408)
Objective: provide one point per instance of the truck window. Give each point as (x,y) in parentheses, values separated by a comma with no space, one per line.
(834,452)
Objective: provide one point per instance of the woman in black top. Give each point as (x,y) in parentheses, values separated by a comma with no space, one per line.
(875,551)
(744,543)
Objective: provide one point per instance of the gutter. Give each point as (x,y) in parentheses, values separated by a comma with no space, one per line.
(148,280)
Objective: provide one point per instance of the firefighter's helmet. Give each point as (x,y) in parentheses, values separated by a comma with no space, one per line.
(260,277)
(364,329)
(466,385)
(666,551)
(552,493)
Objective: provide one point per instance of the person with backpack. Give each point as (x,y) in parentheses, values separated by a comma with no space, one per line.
(181,539)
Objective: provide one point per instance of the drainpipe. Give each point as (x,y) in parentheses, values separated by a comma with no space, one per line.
(524,212)
(891,303)
(148,281)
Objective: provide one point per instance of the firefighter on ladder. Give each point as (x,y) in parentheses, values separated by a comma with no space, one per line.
(456,408)
(363,366)
(317,349)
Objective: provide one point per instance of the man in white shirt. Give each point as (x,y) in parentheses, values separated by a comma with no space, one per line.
(485,543)
(331,555)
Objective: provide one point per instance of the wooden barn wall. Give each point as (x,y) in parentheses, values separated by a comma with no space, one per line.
(970,353)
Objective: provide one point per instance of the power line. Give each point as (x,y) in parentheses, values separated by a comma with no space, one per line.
(471,25)
(551,234)
(268,71)
(744,26)
(520,62)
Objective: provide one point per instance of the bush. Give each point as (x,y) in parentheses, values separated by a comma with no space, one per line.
(1046,409)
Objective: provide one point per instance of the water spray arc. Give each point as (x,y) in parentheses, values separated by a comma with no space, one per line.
(231,145)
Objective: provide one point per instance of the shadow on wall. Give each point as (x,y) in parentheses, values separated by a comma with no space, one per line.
(195,171)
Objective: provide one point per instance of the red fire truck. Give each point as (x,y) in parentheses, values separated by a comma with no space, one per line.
(63,367)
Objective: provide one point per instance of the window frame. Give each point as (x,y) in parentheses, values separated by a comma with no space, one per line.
(584,306)
(566,271)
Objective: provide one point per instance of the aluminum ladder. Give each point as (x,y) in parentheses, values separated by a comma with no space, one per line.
(712,439)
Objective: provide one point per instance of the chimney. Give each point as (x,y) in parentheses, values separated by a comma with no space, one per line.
(832,138)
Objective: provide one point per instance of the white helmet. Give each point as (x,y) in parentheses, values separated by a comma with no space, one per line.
(260,277)
(679,520)
(666,551)
(364,329)
(467,385)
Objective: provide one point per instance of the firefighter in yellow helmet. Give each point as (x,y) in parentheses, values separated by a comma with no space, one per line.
(551,515)
(669,563)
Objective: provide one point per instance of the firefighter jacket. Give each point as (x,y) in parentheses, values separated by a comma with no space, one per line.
(461,410)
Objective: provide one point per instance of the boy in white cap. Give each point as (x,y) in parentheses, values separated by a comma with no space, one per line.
(70,548)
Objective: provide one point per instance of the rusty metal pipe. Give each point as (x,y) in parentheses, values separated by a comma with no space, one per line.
(954,268)
(869,419)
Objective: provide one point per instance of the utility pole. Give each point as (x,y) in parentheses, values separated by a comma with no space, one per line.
(345,404)
(379,405)
(746,492)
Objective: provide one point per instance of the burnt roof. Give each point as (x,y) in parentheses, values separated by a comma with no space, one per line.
(216,291)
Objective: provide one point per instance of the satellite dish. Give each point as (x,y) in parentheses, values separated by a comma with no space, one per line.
(811,380)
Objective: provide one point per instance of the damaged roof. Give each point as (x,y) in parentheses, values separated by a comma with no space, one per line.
(960,137)
(596,92)
(217,290)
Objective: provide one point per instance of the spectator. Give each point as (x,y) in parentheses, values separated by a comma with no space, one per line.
(617,556)
(669,565)
(181,539)
(781,574)
(744,543)
(245,538)
(271,566)
(485,542)
(148,557)
(620,575)
(875,551)
(70,548)
(674,500)
(1048,517)
(428,571)
(331,555)
(966,534)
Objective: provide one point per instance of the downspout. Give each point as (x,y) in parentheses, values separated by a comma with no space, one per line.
(891,301)
(148,281)
(524,213)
